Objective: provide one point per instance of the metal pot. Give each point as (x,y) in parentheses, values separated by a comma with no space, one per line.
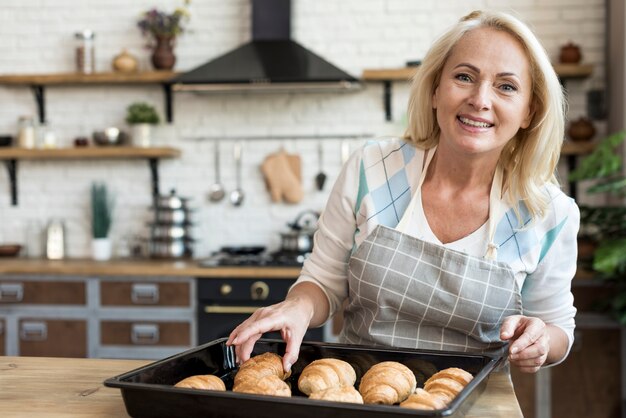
(172,216)
(170,248)
(300,237)
(171,201)
(169,231)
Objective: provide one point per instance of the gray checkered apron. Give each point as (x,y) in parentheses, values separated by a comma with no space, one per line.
(405,292)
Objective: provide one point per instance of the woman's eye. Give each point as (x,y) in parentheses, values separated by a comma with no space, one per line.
(463,77)
(508,87)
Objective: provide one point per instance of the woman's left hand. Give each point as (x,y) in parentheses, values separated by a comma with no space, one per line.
(529,342)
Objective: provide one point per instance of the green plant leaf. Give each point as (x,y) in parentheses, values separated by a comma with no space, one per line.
(614,185)
(610,257)
(602,162)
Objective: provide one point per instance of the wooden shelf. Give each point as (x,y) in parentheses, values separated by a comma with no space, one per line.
(388,75)
(11,156)
(81,153)
(38,82)
(147,77)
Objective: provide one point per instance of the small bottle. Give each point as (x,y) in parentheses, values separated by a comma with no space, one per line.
(85,52)
(26,135)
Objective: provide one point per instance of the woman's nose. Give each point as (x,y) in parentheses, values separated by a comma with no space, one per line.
(480,98)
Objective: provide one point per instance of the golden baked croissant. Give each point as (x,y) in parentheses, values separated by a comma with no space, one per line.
(324,374)
(422,399)
(444,386)
(387,383)
(453,373)
(268,385)
(262,374)
(202,381)
(338,394)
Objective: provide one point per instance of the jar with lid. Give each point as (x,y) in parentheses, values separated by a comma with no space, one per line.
(85,51)
(26,135)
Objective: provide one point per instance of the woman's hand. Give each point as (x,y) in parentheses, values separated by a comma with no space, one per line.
(529,341)
(291,317)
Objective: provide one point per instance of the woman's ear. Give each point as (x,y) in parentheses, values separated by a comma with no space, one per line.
(529,117)
(434,98)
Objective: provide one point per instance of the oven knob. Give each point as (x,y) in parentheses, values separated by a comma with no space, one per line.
(225,289)
(259,291)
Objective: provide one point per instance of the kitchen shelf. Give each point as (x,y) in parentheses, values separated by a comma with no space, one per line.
(388,75)
(38,82)
(152,154)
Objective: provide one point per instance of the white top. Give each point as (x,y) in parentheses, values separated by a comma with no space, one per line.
(375,187)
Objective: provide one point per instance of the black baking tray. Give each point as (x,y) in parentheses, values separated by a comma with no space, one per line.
(148,391)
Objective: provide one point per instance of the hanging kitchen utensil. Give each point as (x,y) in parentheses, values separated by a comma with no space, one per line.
(216,192)
(237,195)
(320,179)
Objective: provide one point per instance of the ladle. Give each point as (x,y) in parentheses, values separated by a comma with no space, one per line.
(237,195)
(216,191)
(320,178)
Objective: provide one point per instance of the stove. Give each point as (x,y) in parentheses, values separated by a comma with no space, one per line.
(253,256)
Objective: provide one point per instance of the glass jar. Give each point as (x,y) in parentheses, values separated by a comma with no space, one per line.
(26,134)
(85,52)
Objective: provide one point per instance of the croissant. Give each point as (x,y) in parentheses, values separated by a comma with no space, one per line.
(206,381)
(262,374)
(387,383)
(338,394)
(325,374)
(422,399)
(453,373)
(268,385)
(444,385)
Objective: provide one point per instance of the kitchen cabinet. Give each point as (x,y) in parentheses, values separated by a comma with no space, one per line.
(388,75)
(84,316)
(38,83)
(13,154)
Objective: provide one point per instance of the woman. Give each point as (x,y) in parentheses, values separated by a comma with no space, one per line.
(457,236)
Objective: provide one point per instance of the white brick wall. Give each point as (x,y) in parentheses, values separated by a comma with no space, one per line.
(37,37)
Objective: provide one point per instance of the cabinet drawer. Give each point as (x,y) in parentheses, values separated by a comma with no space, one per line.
(145,293)
(52,337)
(2,338)
(43,292)
(145,333)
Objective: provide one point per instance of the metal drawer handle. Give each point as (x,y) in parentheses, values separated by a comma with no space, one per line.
(11,292)
(259,291)
(33,331)
(231,309)
(144,294)
(144,334)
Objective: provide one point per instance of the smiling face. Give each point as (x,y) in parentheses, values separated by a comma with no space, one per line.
(484,93)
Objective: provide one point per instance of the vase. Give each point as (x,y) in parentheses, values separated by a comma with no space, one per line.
(142,135)
(101,249)
(163,57)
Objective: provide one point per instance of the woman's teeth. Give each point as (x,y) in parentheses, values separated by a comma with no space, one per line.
(474,123)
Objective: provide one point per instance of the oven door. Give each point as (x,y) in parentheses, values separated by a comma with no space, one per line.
(226,303)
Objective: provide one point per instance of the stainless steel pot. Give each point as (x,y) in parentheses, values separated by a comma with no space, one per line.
(169,231)
(170,248)
(171,201)
(172,216)
(300,237)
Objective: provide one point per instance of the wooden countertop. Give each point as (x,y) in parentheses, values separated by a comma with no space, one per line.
(139,267)
(62,387)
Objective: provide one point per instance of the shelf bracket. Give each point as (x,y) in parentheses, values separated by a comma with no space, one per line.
(169,111)
(154,173)
(39,92)
(12,169)
(387,99)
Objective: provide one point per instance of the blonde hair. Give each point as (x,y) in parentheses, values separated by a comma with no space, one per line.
(529,159)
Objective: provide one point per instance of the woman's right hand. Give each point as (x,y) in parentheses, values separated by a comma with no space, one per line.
(291,317)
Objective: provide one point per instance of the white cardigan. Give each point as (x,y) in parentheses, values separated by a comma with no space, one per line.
(375,187)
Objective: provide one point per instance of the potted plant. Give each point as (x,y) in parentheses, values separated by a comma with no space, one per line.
(162,28)
(101,218)
(141,116)
(606,224)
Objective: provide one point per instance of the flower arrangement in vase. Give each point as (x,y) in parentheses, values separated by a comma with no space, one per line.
(162,28)
(101,219)
(141,116)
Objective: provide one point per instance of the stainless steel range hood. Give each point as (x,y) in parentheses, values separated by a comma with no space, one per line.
(271,62)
